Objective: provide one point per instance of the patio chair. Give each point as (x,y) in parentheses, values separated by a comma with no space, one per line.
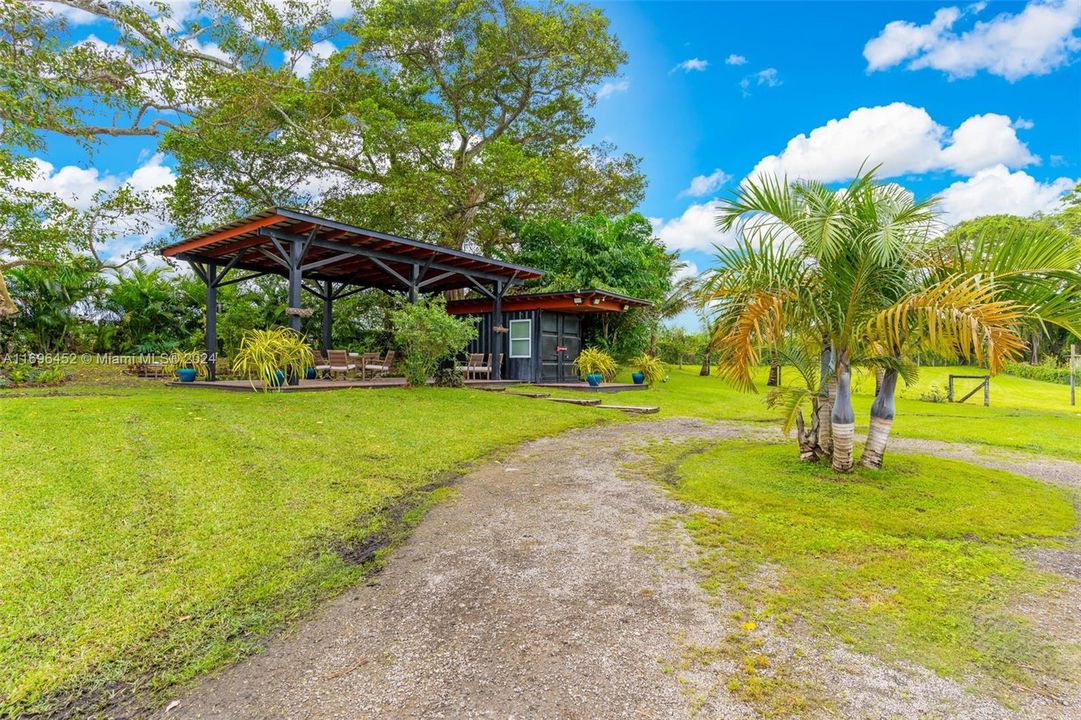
(485,369)
(474,360)
(337,363)
(379,367)
(364,360)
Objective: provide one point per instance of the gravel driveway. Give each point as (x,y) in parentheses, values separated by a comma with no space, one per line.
(554,586)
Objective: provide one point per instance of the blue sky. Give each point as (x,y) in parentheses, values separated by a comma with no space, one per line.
(800,69)
(977,102)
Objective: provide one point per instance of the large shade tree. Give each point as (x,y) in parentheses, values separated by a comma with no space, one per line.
(830,280)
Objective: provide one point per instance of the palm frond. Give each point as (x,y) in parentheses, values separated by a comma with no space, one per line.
(790,400)
(960,315)
(755,323)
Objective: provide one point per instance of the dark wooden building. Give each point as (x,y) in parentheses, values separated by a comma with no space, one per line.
(543,331)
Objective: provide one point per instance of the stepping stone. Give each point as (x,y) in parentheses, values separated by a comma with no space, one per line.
(576,401)
(634,409)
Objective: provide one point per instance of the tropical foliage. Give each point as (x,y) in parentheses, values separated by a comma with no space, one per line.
(426,334)
(651,367)
(594,361)
(263,354)
(617,254)
(830,280)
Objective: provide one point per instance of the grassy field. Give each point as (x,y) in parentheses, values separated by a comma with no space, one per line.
(897,563)
(149,534)
(1025,415)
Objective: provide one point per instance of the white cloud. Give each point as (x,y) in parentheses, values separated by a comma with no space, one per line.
(997,190)
(902,139)
(767,77)
(611,88)
(734,59)
(691,65)
(1035,41)
(706,184)
(695,229)
(688,270)
(77,186)
(306,61)
(985,140)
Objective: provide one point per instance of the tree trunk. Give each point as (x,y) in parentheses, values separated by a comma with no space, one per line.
(7,305)
(774,373)
(827,390)
(1035,348)
(807,439)
(882,412)
(878,381)
(707,365)
(842,418)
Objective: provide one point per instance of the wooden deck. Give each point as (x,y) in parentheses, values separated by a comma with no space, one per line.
(320,385)
(586,387)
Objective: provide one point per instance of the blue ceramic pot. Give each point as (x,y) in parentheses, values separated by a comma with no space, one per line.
(594,379)
(309,374)
(638,378)
(186,374)
(279,378)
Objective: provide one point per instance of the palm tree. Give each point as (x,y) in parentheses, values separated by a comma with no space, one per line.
(837,279)
(1016,276)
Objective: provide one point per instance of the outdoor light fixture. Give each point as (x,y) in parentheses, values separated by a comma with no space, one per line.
(626,307)
(596,301)
(577,301)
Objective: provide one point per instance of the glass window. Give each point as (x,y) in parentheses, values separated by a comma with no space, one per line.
(521,338)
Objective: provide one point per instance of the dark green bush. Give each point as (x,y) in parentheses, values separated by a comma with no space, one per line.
(1047,371)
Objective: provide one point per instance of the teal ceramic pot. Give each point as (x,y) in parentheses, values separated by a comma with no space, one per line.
(594,379)
(309,374)
(279,378)
(638,378)
(186,374)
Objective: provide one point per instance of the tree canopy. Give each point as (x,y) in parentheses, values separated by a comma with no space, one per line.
(438,119)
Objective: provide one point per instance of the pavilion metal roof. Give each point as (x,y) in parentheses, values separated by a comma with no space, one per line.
(340,252)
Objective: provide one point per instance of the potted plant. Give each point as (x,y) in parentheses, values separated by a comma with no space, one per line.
(270,356)
(650,370)
(187,364)
(595,365)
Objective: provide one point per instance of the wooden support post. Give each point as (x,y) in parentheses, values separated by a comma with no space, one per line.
(328,313)
(949,391)
(414,282)
(497,337)
(1073,373)
(295,280)
(211,321)
(987,391)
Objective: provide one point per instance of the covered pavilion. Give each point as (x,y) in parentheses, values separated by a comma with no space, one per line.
(333,260)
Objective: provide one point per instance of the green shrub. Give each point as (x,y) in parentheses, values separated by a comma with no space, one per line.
(936,394)
(1048,371)
(51,375)
(450,377)
(427,335)
(263,353)
(594,360)
(651,367)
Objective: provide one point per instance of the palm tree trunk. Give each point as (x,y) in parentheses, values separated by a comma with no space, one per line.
(827,390)
(882,412)
(842,418)
(774,372)
(707,365)
(807,438)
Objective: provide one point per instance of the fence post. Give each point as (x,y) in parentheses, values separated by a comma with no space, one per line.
(987,392)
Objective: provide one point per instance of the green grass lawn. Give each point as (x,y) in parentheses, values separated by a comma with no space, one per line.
(148,534)
(900,563)
(1026,415)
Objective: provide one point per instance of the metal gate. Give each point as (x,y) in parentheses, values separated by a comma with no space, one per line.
(560,343)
